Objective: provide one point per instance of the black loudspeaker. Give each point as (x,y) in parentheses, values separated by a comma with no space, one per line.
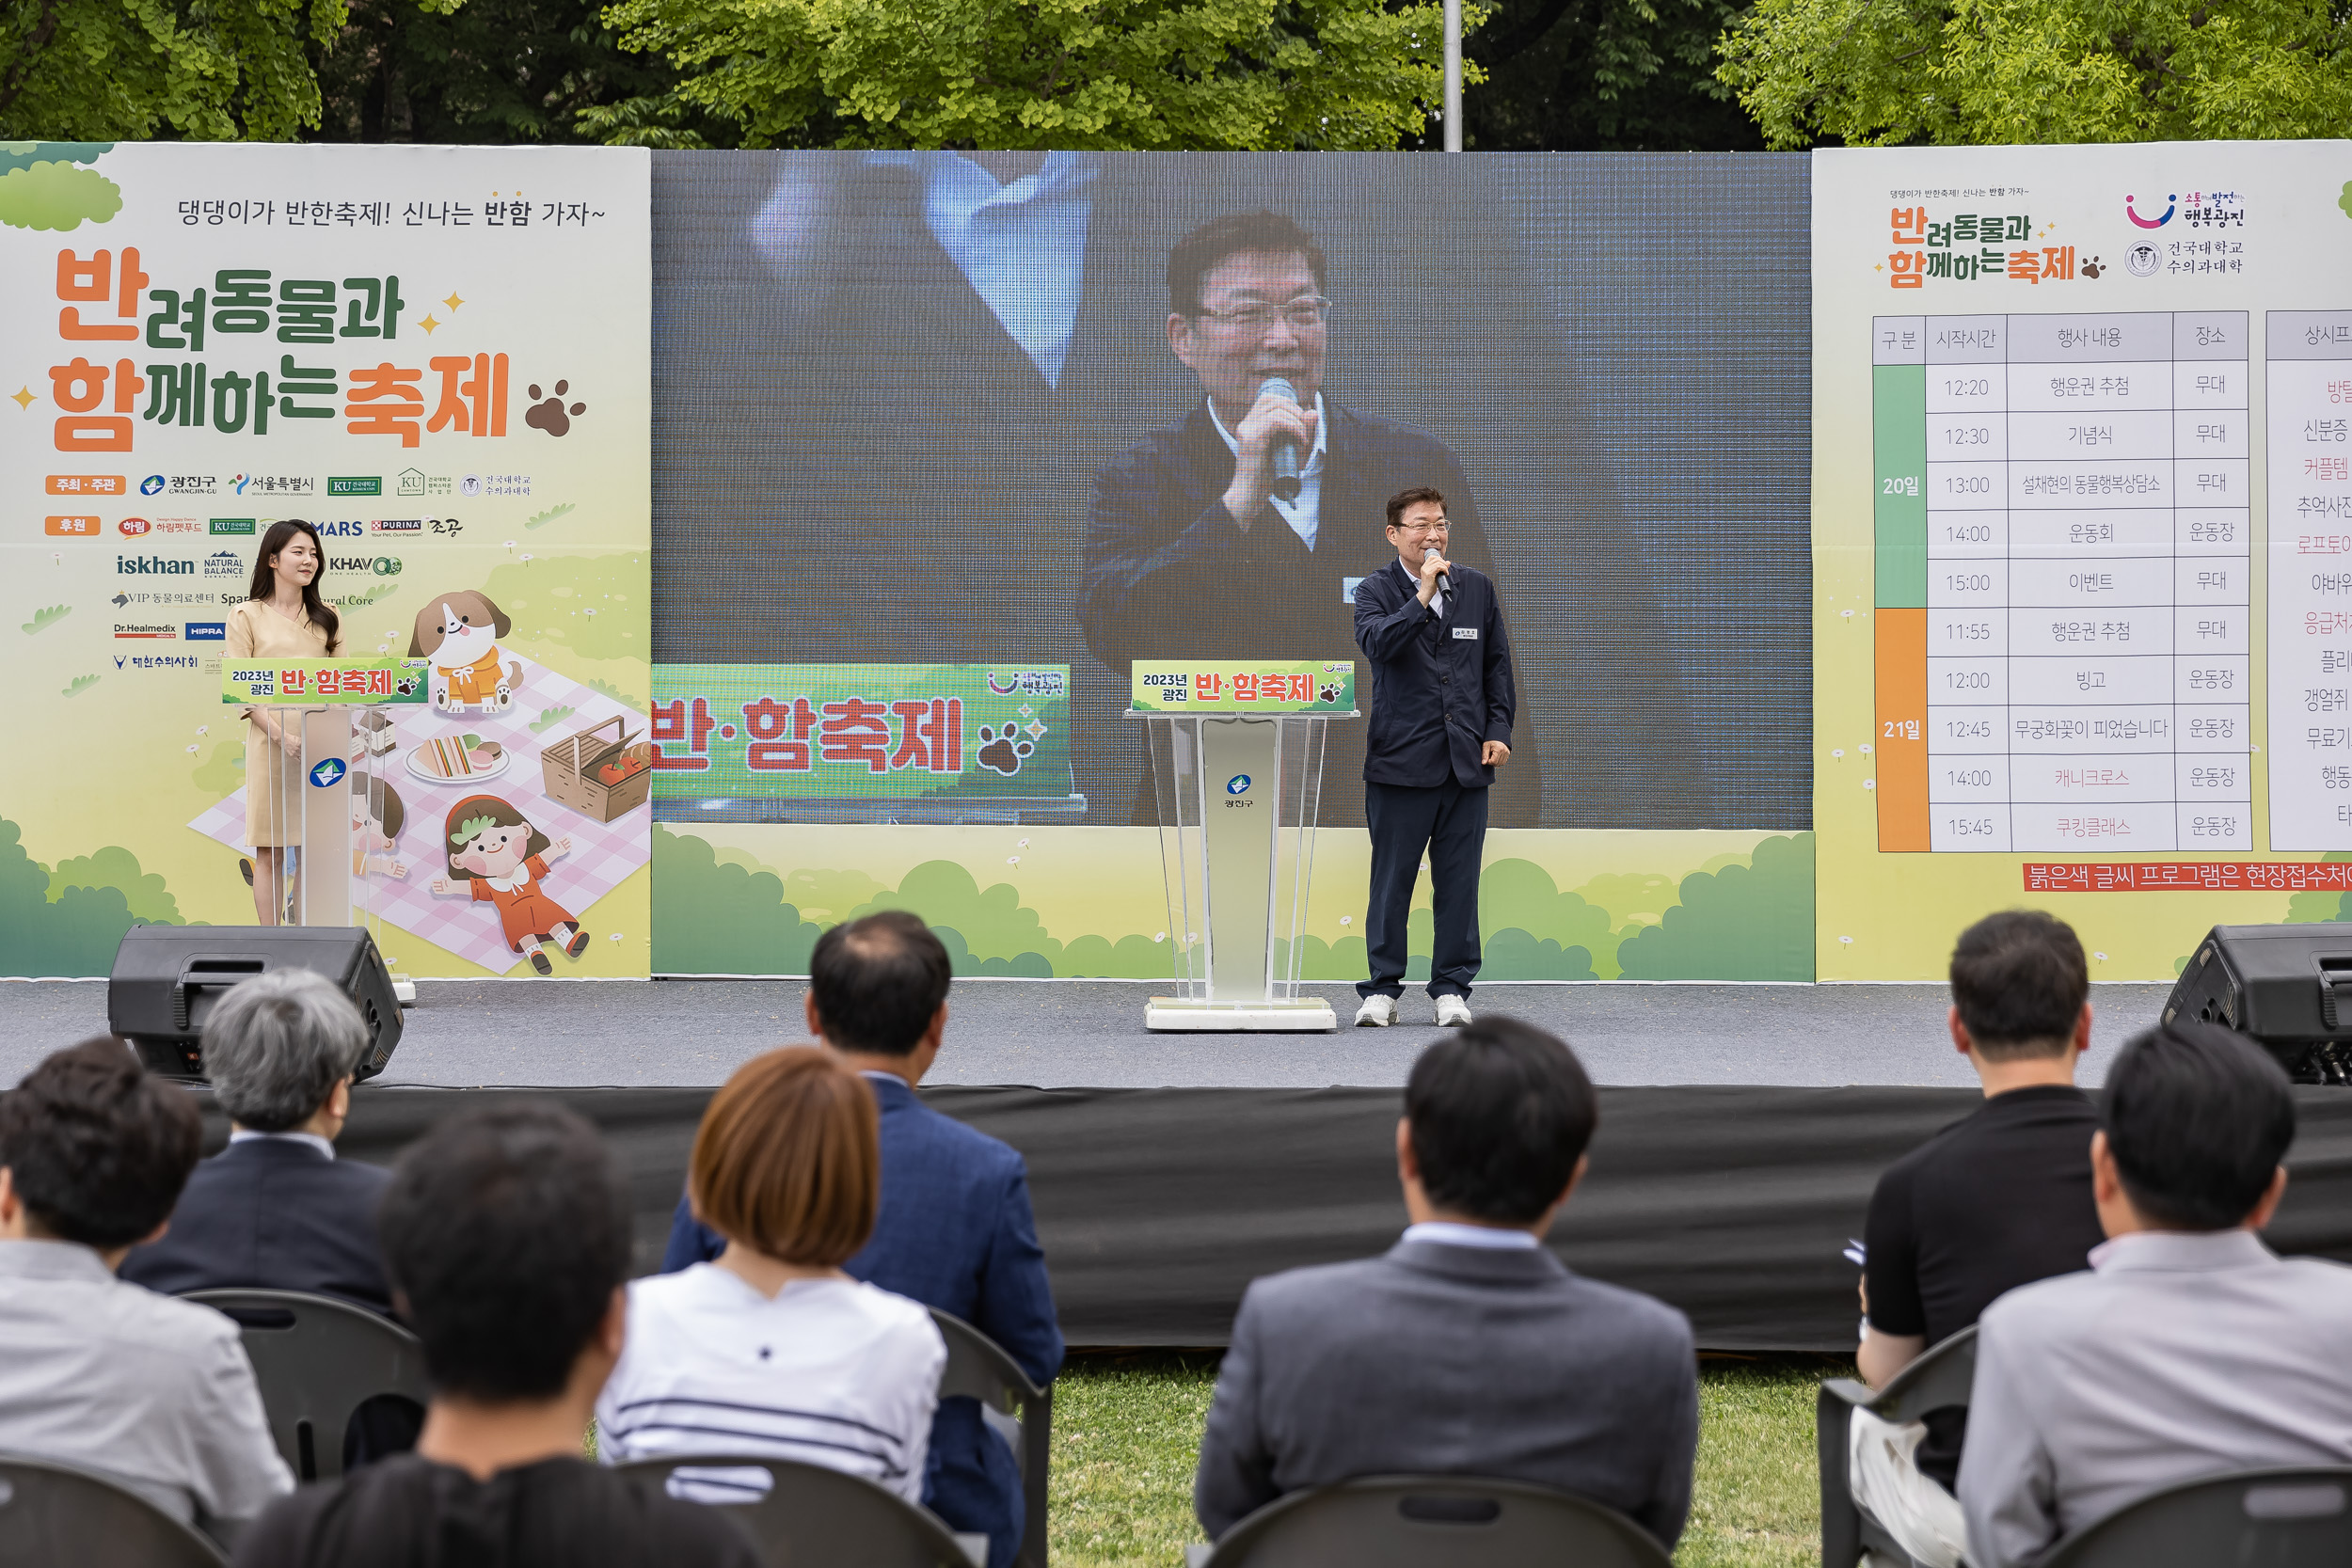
(2287,986)
(166,980)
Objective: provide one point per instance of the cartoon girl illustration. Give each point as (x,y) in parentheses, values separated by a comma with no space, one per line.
(378,817)
(490,844)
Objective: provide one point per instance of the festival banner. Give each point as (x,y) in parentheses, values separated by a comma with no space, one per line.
(438,356)
(2082,514)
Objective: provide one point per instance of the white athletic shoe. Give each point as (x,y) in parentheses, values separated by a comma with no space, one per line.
(1451,1010)
(1378,1012)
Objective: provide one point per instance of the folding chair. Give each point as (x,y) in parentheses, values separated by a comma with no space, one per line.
(2276,1518)
(981,1369)
(1433,1522)
(810,1514)
(1938,1380)
(318,1360)
(52,1514)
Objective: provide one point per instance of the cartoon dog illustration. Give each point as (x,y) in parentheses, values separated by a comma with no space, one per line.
(459,633)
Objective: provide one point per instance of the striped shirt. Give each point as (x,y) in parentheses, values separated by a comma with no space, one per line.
(830,1373)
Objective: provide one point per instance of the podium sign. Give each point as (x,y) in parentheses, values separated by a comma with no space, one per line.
(1236,751)
(321,682)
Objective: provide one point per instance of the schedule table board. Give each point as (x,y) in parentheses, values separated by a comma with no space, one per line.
(2062,581)
(2310,416)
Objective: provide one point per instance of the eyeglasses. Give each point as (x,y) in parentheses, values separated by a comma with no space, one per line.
(1306,312)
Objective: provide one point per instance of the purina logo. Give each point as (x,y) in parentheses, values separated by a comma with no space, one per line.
(397,525)
(153,565)
(1237,784)
(224,563)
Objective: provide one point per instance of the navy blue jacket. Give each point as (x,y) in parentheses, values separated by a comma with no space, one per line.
(1168,575)
(954,1231)
(269,1213)
(1440,685)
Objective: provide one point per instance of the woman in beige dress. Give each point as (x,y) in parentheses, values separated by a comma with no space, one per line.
(284,618)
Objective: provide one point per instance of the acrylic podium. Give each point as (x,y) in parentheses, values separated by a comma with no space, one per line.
(337,704)
(1236,759)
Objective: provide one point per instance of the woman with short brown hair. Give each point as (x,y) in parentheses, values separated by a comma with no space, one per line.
(772,1349)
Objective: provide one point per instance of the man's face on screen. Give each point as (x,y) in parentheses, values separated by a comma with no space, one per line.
(1248,330)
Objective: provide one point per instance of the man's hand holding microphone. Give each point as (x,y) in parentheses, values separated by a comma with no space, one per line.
(1274,437)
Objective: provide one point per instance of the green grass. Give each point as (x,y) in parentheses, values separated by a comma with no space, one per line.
(1127,1435)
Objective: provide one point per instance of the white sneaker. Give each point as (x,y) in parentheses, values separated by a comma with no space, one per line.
(1378,1012)
(1451,1010)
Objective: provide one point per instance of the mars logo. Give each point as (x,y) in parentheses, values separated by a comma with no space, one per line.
(134,526)
(2171,205)
(349,528)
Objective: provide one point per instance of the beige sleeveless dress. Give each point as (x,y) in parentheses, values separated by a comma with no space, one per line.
(273,780)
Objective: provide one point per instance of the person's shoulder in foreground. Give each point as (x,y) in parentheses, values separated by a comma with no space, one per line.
(505,1234)
(1468,1349)
(154,1392)
(2191,1349)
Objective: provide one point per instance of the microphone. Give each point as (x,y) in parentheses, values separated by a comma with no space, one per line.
(1285,485)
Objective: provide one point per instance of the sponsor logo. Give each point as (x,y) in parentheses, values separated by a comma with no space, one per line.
(152,485)
(2171,205)
(241,482)
(411,481)
(2143,260)
(149,631)
(207,631)
(348,484)
(224,563)
(328,774)
(397,525)
(380,566)
(347,527)
(232,525)
(154,565)
(1237,784)
(133,527)
(470,485)
(177,525)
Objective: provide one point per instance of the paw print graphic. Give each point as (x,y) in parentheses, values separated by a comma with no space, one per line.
(1000,752)
(2093,267)
(1328,693)
(550,415)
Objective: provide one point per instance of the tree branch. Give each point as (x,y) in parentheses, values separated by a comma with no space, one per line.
(34,41)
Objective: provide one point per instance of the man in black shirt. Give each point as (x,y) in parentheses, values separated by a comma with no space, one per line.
(1997,1199)
(505,1234)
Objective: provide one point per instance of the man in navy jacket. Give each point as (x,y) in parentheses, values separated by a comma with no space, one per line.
(1442,702)
(954,1229)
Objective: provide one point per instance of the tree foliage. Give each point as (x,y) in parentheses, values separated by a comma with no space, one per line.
(1604,75)
(489,70)
(138,69)
(1026,75)
(1877,72)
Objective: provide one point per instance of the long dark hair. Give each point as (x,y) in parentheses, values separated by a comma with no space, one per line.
(264,583)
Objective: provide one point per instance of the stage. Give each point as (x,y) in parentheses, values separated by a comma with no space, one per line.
(1742,1126)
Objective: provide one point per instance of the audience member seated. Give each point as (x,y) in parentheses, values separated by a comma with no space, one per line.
(277,1209)
(954,1231)
(1998,1199)
(2189,1347)
(155,1393)
(505,1234)
(1468,1349)
(772,1349)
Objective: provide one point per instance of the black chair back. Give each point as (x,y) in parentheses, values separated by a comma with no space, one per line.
(1435,1522)
(810,1514)
(1939,1379)
(980,1367)
(317,1360)
(54,1515)
(2274,1518)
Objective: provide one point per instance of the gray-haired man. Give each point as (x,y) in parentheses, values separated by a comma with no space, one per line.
(277,1209)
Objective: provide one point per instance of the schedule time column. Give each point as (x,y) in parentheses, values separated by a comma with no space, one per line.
(1967,422)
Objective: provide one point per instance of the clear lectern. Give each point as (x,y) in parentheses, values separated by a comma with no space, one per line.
(1236,759)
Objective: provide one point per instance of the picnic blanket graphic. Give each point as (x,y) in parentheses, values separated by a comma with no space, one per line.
(602,854)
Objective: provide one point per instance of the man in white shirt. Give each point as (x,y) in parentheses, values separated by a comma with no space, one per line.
(2190,1349)
(1467,1348)
(157,1394)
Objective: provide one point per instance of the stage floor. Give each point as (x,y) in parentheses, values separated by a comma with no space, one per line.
(1073,1034)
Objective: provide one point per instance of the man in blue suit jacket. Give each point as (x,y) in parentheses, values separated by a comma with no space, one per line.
(276,1210)
(954,1229)
(1442,702)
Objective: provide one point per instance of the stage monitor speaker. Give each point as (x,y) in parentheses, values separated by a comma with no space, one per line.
(167,979)
(2288,986)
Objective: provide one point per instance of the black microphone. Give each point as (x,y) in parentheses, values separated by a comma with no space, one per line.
(1286,455)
